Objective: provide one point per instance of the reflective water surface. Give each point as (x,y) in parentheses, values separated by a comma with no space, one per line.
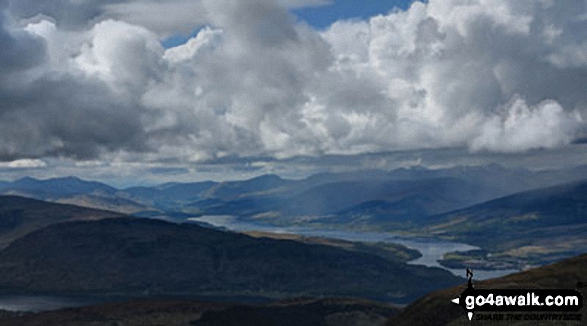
(432,250)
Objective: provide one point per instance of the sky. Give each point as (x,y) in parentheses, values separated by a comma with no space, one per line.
(145,91)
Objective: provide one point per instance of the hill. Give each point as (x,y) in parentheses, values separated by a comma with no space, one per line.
(538,226)
(437,309)
(301,312)
(129,256)
(67,186)
(20,216)
(74,191)
(432,309)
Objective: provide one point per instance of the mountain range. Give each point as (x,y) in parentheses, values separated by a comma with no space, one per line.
(370,198)
(47,247)
(504,211)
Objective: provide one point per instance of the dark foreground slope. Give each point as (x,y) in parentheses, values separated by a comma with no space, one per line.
(436,308)
(130,256)
(20,216)
(303,312)
(433,309)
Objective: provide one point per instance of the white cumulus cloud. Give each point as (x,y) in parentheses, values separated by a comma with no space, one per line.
(90,80)
(521,127)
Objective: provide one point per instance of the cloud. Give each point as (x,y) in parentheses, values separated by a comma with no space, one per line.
(447,68)
(20,50)
(90,80)
(523,127)
(23,164)
(82,106)
(162,17)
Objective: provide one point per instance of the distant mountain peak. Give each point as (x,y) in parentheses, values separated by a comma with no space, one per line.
(26,180)
(270,176)
(68,178)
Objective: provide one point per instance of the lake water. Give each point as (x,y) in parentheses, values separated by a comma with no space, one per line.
(431,250)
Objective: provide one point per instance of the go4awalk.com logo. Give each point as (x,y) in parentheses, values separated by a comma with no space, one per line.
(548,303)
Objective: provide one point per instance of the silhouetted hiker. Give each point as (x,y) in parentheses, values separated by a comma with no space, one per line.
(470,276)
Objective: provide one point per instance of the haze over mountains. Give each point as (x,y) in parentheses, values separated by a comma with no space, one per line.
(472,204)
(63,249)
(539,226)
(363,197)
(271,149)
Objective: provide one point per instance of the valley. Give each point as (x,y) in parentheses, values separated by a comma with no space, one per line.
(291,162)
(248,248)
(431,251)
(129,256)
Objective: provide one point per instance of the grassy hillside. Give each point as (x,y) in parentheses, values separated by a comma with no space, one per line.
(391,251)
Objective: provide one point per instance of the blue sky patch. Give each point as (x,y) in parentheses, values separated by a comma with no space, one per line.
(180,39)
(323,16)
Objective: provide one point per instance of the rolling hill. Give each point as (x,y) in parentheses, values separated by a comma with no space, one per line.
(20,216)
(434,309)
(129,256)
(68,186)
(538,226)
(74,191)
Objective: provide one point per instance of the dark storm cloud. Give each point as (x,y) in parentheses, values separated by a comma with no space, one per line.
(59,117)
(20,50)
(67,13)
